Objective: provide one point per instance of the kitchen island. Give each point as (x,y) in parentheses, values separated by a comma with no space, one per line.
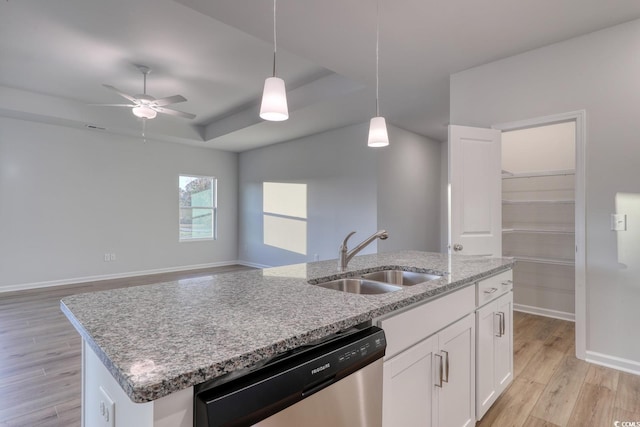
(158,341)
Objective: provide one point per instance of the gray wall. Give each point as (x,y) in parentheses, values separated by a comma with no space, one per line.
(598,72)
(408,192)
(349,187)
(67,196)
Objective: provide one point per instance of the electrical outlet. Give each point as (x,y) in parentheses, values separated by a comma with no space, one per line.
(107,408)
(112,257)
(107,257)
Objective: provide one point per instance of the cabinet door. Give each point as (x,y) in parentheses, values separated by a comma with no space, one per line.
(494,358)
(488,326)
(408,386)
(504,343)
(456,398)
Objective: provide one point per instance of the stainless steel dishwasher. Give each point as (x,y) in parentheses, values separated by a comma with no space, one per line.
(337,383)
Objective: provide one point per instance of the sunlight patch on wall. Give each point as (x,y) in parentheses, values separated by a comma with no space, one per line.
(628,205)
(284,207)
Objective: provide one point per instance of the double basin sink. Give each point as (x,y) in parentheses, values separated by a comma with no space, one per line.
(378,282)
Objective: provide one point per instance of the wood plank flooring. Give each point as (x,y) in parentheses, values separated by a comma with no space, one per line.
(551,388)
(40,367)
(40,350)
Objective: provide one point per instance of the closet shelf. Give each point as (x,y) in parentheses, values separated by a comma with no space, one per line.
(538,230)
(554,261)
(530,201)
(511,175)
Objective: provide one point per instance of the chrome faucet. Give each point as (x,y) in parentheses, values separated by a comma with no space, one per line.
(345,255)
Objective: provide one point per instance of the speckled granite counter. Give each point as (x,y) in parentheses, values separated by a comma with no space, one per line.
(161,338)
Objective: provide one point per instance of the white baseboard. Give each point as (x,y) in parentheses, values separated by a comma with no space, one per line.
(75,280)
(614,362)
(253,264)
(545,312)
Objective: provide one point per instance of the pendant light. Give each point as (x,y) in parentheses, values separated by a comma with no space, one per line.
(378,136)
(274,97)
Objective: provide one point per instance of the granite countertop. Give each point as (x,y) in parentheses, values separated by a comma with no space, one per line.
(158,339)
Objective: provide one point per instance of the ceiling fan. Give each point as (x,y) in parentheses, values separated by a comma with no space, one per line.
(146,106)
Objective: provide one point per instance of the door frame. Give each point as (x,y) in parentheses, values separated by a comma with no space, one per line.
(579,117)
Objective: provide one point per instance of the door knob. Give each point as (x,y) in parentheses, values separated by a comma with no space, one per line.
(457,247)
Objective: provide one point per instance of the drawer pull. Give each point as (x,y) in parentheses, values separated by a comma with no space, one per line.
(446,366)
(501,325)
(439,384)
(507,283)
(490,290)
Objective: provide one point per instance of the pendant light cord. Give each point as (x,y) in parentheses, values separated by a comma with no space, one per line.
(275,42)
(377,57)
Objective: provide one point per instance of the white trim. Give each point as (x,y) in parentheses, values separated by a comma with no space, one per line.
(562,315)
(614,362)
(76,280)
(580,118)
(253,264)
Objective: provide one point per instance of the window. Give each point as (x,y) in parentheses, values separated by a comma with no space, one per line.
(198,207)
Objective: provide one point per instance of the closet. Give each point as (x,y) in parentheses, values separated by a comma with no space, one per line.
(538,190)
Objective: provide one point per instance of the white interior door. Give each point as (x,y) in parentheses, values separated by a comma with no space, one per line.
(475,201)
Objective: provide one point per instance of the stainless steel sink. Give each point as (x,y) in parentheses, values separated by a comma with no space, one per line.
(400,277)
(359,286)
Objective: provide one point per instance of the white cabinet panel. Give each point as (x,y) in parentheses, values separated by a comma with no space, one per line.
(408,386)
(494,351)
(433,382)
(456,400)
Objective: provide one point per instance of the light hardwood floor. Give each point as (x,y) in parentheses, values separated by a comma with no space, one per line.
(552,388)
(40,367)
(40,351)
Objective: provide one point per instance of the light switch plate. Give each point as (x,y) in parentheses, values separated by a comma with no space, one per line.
(107,408)
(618,222)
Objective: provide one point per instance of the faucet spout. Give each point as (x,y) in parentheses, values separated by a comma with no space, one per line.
(345,255)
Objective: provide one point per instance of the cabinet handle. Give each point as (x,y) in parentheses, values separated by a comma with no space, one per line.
(446,367)
(507,283)
(501,325)
(504,329)
(439,384)
(490,290)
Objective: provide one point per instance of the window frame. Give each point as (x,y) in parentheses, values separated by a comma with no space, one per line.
(213,209)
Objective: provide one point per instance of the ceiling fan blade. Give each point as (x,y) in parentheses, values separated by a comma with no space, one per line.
(169,100)
(113,105)
(122,94)
(175,113)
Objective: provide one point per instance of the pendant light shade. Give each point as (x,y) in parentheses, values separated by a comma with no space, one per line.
(378,136)
(274,100)
(274,96)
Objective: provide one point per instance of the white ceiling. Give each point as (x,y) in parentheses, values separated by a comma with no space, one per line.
(55,56)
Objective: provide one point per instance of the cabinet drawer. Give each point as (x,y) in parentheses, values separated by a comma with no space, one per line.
(492,287)
(412,326)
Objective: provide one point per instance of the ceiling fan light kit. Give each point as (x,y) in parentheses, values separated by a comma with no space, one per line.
(146,106)
(144,112)
(274,96)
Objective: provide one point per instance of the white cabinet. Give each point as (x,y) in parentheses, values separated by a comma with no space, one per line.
(433,382)
(409,386)
(456,397)
(494,346)
(421,340)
